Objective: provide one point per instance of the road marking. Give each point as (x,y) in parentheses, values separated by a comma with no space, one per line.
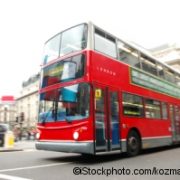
(33,167)
(29,150)
(7,177)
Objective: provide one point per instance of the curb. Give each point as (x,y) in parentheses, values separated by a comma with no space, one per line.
(10,149)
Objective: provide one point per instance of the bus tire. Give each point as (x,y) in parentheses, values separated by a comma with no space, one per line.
(133,143)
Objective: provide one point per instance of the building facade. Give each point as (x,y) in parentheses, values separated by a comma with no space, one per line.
(27,103)
(7,110)
(168,53)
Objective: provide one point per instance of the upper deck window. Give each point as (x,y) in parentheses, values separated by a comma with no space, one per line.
(177,78)
(51,49)
(105,43)
(128,55)
(70,40)
(148,65)
(169,76)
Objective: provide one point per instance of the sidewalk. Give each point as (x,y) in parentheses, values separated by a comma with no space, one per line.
(25,144)
(20,146)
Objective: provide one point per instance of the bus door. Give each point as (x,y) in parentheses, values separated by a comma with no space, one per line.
(175,122)
(106,117)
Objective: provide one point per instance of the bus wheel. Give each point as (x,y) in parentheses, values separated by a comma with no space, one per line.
(133,143)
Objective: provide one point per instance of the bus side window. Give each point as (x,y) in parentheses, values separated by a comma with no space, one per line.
(169,76)
(105,43)
(148,65)
(132,105)
(177,80)
(152,109)
(164,110)
(128,55)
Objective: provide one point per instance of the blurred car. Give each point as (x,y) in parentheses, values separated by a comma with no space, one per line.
(6,136)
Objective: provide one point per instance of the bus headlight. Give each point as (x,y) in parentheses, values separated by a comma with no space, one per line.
(37,135)
(76,135)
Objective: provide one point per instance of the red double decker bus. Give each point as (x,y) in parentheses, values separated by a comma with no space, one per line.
(101,94)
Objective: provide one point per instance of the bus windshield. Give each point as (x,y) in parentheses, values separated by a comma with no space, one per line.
(68,41)
(67,103)
(64,70)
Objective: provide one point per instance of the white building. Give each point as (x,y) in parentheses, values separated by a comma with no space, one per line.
(27,102)
(168,53)
(7,110)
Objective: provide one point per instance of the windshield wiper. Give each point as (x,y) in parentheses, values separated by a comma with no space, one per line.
(44,118)
(68,119)
(52,109)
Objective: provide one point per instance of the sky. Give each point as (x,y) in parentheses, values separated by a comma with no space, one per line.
(26,24)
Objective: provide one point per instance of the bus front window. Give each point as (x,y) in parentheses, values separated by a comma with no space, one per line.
(64,70)
(67,103)
(68,41)
(73,40)
(51,49)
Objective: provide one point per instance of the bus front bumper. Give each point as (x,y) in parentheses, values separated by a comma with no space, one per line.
(71,147)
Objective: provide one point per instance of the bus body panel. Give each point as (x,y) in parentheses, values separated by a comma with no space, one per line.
(105,75)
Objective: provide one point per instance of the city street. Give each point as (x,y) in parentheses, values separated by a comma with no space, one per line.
(86,78)
(40,165)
